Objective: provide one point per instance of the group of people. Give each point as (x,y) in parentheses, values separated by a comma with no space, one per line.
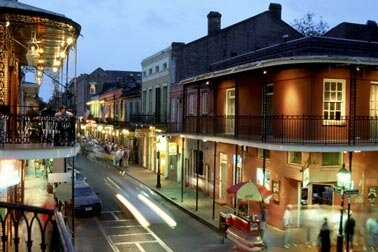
(323,235)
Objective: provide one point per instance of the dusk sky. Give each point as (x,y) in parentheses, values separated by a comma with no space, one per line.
(119,34)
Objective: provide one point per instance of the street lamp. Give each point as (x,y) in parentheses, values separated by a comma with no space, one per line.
(158,185)
(343,186)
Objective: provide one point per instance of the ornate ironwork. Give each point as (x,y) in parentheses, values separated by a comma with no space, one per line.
(24,129)
(29,228)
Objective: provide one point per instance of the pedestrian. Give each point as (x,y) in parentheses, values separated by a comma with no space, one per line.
(372,233)
(324,237)
(287,221)
(349,226)
(118,156)
(125,160)
(64,125)
(263,218)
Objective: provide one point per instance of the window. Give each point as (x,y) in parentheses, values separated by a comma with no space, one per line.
(331,158)
(204,103)
(263,179)
(92,87)
(295,157)
(149,111)
(173,109)
(260,153)
(144,73)
(136,111)
(333,100)
(165,66)
(165,101)
(157,69)
(150,71)
(200,163)
(144,101)
(191,105)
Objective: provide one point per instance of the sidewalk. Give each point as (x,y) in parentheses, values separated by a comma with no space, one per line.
(171,191)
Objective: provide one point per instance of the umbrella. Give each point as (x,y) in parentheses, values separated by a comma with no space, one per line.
(250,191)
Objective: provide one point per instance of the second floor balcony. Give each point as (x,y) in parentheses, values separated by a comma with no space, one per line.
(36,129)
(284,129)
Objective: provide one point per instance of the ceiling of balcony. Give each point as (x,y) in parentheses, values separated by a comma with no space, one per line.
(53,34)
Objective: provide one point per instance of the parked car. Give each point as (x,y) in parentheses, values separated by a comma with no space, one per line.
(87,201)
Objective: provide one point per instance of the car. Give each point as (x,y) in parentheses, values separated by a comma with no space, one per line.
(87,201)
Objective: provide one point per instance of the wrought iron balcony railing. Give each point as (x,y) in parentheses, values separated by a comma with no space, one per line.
(30,228)
(295,129)
(24,129)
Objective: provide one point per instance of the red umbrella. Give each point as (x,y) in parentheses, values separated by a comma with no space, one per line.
(250,191)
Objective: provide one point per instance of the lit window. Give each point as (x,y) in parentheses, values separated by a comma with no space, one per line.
(333,100)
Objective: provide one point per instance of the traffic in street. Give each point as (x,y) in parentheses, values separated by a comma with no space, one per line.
(135,218)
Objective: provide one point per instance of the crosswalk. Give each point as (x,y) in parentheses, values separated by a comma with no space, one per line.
(124,233)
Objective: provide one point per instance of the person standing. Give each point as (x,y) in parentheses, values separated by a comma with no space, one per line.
(324,237)
(349,229)
(64,126)
(287,221)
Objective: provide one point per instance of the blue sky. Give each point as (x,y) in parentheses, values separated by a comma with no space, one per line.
(119,34)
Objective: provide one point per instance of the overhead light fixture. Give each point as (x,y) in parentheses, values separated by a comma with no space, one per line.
(32,55)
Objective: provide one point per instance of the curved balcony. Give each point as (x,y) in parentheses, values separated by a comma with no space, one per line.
(30,228)
(23,137)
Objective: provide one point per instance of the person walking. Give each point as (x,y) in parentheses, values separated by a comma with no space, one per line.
(125,160)
(263,220)
(349,226)
(324,237)
(372,233)
(287,221)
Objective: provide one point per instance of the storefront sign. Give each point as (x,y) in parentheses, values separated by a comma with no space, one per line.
(172,149)
(139,133)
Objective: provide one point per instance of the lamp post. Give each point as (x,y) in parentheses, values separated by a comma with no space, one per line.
(343,187)
(158,185)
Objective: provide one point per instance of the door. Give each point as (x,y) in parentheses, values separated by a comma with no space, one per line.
(373,110)
(230,111)
(223,176)
(269,110)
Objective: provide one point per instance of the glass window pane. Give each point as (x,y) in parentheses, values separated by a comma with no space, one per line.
(339,86)
(326,96)
(333,86)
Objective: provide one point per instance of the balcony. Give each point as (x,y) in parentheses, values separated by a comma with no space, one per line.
(35,129)
(29,228)
(285,129)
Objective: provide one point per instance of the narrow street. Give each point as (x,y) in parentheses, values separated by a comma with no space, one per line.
(120,229)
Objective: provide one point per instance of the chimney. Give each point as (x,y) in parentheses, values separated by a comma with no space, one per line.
(275,10)
(213,22)
(371,23)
